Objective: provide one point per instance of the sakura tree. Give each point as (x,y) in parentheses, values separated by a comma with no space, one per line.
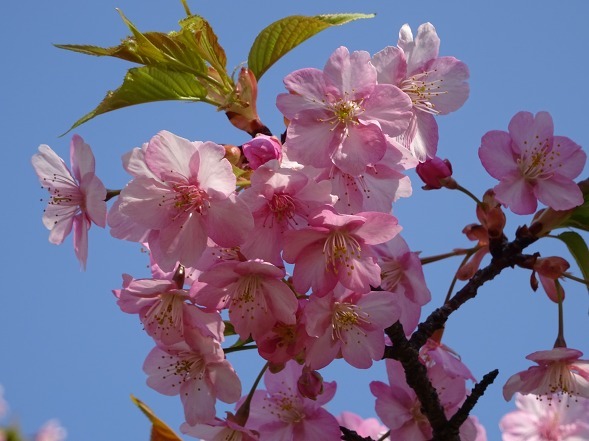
(286,246)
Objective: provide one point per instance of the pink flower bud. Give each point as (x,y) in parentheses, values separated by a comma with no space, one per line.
(310,384)
(435,173)
(262,149)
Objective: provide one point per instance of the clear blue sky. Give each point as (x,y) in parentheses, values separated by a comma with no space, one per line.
(67,352)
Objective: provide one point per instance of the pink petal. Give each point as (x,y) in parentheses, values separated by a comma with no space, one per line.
(361,145)
(391,65)
(517,194)
(496,154)
(229,222)
(451,75)
(390,107)
(378,228)
(558,193)
(168,153)
(81,226)
(214,174)
(351,76)
(81,158)
(525,129)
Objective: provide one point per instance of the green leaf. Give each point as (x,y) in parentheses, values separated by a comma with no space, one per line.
(198,35)
(171,51)
(145,85)
(578,249)
(284,35)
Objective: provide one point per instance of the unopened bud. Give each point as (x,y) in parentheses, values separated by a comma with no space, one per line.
(310,384)
(262,149)
(436,173)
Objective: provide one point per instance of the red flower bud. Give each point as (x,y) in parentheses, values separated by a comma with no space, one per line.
(435,173)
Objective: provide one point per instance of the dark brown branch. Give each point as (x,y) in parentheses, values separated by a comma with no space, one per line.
(505,254)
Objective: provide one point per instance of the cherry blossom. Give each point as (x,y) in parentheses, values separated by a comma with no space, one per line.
(253,292)
(51,431)
(280,199)
(338,248)
(182,195)
(436,85)
(76,200)
(551,418)
(166,310)
(348,323)
(560,372)
(281,413)
(532,164)
(195,369)
(340,115)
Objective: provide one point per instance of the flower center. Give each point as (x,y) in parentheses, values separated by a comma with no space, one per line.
(538,159)
(282,207)
(346,317)
(246,298)
(287,408)
(185,366)
(190,198)
(165,314)
(391,274)
(341,248)
(421,91)
(345,111)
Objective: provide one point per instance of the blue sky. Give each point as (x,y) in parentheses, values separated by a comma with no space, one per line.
(67,352)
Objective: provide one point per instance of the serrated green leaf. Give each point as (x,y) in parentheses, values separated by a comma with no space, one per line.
(173,51)
(578,249)
(145,85)
(284,35)
(198,34)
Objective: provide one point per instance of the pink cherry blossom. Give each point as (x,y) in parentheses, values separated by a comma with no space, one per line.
(376,188)
(76,200)
(51,431)
(338,248)
(281,413)
(349,324)
(551,418)
(436,85)
(340,115)
(560,372)
(284,342)
(254,293)
(183,194)
(280,199)
(195,369)
(166,310)
(532,164)
(402,275)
